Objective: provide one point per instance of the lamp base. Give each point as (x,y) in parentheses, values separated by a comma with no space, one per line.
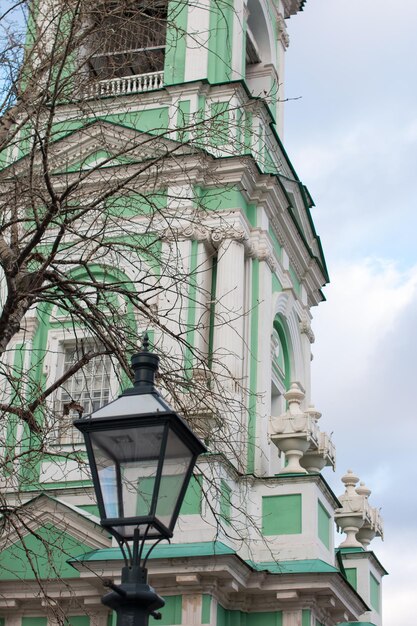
(133,600)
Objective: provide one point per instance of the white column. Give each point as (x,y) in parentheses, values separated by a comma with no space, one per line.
(263,402)
(229,312)
(203,278)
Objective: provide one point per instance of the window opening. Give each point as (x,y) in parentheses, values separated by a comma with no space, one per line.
(128,38)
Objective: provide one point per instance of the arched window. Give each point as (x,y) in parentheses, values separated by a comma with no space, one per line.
(258,49)
(281,367)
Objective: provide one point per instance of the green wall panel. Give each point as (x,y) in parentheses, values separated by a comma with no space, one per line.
(323,520)
(219,123)
(238,618)
(34,621)
(175,51)
(171,612)
(77,620)
(193,497)
(225,504)
(205,609)
(352,576)
(281,515)
(220,41)
(306,617)
(374,592)
(90,508)
(270,618)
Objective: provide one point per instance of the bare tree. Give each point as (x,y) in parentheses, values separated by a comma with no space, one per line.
(97,234)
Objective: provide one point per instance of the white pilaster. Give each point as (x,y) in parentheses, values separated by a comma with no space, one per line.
(263,403)
(229,311)
(203,278)
(292,618)
(198,31)
(191,609)
(173,298)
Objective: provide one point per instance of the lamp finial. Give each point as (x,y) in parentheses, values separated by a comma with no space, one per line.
(145,342)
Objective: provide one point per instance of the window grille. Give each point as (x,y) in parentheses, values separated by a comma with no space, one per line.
(84,392)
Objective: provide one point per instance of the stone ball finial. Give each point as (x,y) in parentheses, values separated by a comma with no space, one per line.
(363,490)
(312,411)
(294,394)
(350,480)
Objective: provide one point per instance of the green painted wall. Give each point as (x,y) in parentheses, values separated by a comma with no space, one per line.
(77,620)
(175,51)
(352,576)
(90,508)
(221,198)
(220,41)
(171,612)
(323,522)
(225,504)
(34,621)
(374,593)
(306,617)
(42,554)
(282,515)
(193,497)
(238,618)
(219,123)
(205,609)
(183,120)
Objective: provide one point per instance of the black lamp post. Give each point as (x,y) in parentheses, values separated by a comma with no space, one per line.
(141,455)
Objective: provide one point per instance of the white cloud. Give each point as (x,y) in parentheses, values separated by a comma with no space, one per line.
(365,300)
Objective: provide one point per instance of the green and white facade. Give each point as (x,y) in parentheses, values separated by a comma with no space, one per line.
(254,544)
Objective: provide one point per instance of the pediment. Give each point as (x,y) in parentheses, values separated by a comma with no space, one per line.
(105,144)
(44,534)
(100,144)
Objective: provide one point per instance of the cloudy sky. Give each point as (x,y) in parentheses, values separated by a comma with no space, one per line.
(353,140)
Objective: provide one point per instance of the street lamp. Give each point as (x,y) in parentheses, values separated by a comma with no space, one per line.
(141,454)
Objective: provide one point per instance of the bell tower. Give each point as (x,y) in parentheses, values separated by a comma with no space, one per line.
(163,120)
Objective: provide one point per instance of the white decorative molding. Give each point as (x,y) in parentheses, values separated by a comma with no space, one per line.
(282,29)
(305,328)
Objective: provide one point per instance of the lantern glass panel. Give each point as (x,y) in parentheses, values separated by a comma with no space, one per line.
(127,459)
(174,471)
